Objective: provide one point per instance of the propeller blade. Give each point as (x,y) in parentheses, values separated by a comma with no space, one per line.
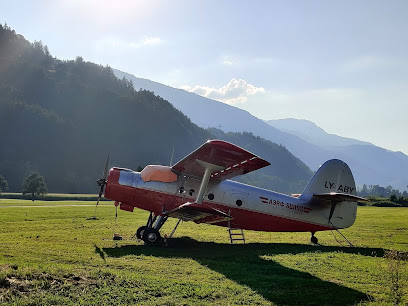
(99,197)
(105,173)
(102,182)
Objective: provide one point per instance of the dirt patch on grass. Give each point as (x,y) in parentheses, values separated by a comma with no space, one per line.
(16,286)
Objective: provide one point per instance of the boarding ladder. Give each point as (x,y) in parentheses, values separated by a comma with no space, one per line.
(236,234)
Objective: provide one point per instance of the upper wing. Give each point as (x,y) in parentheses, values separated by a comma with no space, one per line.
(233,160)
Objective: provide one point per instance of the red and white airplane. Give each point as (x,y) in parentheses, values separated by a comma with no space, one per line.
(197,189)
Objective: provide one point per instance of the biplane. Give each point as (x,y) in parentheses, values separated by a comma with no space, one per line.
(198,188)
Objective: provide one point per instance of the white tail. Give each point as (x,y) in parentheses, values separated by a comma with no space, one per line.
(333,176)
(333,185)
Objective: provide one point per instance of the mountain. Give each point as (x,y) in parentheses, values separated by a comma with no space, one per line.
(311,133)
(371,165)
(62,118)
(210,113)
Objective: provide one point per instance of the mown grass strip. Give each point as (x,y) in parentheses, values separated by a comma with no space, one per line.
(54,255)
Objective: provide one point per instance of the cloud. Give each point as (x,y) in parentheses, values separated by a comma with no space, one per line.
(228,61)
(246,62)
(109,43)
(235,92)
(151,41)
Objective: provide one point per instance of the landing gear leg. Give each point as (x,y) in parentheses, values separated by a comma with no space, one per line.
(314,239)
(150,232)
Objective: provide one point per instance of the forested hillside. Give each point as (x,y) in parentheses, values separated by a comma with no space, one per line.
(62,118)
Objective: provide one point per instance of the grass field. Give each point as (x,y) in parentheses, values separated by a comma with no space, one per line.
(51,254)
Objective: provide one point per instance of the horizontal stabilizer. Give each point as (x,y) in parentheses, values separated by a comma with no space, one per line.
(339,197)
(198,213)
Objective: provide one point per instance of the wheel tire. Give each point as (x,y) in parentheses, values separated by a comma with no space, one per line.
(151,235)
(314,240)
(139,232)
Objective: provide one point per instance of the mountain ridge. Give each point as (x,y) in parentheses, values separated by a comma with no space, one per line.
(210,113)
(312,133)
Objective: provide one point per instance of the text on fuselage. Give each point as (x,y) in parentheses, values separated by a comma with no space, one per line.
(342,188)
(285,205)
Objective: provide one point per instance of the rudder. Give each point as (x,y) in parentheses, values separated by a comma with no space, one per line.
(333,187)
(333,176)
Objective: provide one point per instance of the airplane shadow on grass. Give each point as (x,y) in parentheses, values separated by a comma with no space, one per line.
(244,264)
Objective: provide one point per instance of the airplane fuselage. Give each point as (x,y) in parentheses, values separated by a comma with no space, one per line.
(252,208)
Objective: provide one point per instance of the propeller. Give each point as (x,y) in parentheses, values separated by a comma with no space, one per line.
(102,182)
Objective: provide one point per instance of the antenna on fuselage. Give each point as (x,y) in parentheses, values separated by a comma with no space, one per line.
(171,159)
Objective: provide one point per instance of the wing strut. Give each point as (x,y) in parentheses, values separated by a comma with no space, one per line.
(196,211)
(206,178)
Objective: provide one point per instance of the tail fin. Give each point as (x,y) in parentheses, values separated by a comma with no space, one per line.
(334,183)
(333,176)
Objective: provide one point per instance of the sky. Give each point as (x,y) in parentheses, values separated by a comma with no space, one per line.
(341,64)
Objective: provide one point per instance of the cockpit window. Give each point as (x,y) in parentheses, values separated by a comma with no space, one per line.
(128,178)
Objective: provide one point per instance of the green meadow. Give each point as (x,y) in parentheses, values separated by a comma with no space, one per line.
(54,253)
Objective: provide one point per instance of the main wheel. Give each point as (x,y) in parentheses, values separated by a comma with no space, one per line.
(314,240)
(139,232)
(151,235)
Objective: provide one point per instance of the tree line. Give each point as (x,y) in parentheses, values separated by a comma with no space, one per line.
(392,196)
(379,191)
(33,184)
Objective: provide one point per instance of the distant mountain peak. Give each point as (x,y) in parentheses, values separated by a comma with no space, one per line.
(312,133)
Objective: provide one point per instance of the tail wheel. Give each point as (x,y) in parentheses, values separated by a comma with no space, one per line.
(314,240)
(151,235)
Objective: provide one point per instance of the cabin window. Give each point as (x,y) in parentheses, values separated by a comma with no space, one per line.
(239,199)
(211,196)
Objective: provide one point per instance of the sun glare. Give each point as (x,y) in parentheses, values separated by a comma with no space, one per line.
(109,12)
